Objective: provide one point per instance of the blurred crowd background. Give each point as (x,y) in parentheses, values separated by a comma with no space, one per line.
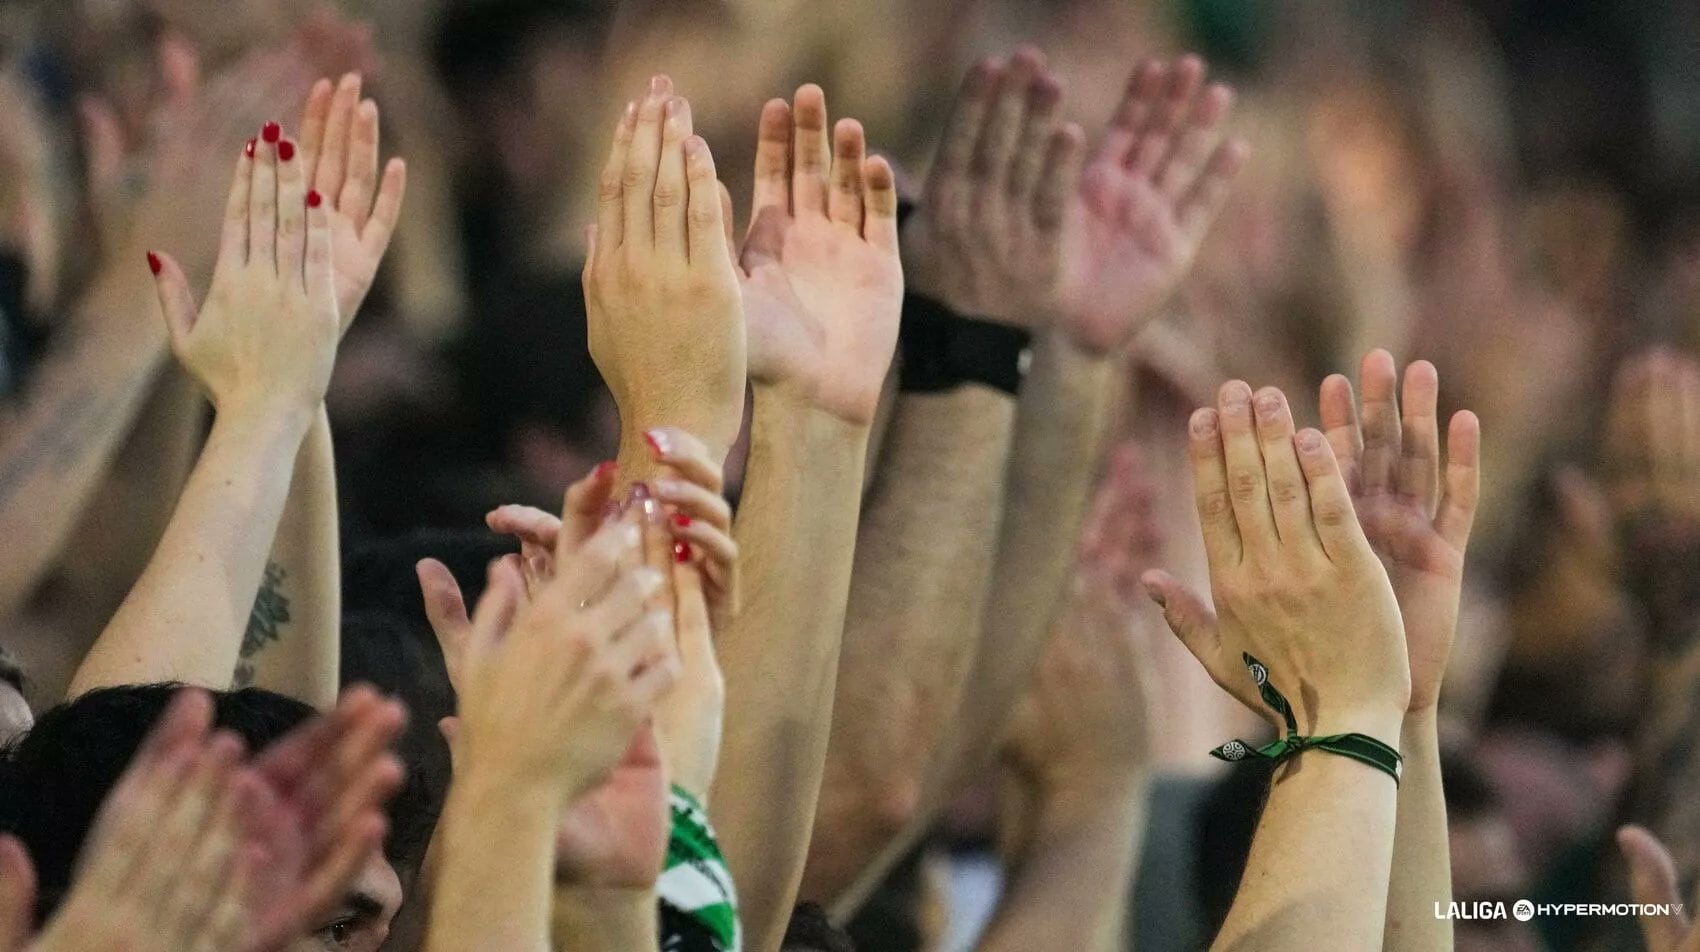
(1509,188)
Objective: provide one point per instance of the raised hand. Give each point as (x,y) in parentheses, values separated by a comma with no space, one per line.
(821,277)
(267,335)
(666,323)
(1146,200)
(155,194)
(1392,465)
(1653,882)
(1653,445)
(984,240)
(339,148)
(1294,579)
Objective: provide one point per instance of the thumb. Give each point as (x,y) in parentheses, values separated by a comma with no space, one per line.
(17,893)
(445,608)
(1652,881)
(176,301)
(1192,621)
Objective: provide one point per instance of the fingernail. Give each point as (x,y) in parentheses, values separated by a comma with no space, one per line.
(153,263)
(657,441)
(271,131)
(285,150)
(682,521)
(248,150)
(1268,404)
(314,199)
(681,551)
(639,491)
(1309,440)
(1204,424)
(1235,398)
(605,469)
(656,85)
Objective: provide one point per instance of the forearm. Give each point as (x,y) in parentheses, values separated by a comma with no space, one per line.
(604,920)
(1059,433)
(183,619)
(916,594)
(495,868)
(296,651)
(61,440)
(796,531)
(1319,865)
(1422,867)
(1069,886)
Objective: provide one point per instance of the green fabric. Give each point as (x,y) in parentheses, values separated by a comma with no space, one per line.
(696,885)
(1360,747)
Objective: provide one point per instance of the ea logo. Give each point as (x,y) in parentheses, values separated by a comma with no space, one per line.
(1523,909)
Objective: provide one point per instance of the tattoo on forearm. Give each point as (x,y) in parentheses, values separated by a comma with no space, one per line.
(265,622)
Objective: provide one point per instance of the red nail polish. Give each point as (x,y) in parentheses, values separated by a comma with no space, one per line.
(655,444)
(286,150)
(681,551)
(604,469)
(271,131)
(248,150)
(314,198)
(682,521)
(153,262)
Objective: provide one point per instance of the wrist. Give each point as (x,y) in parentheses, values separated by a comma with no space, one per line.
(266,416)
(1382,721)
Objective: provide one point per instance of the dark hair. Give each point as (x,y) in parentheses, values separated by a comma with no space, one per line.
(54,778)
(811,931)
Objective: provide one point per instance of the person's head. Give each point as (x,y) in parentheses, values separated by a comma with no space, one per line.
(54,778)
(811,931)
(1486,864)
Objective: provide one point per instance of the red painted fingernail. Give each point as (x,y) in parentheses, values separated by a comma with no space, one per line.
(656,442)
(681,551)
(248,150)
(605,469)
(314,198)
(682,521)
(286,150)
(153,263)
(271,131)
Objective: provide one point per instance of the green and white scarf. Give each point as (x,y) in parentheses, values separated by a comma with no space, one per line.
(699,906)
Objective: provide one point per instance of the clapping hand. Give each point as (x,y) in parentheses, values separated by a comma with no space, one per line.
(266,337)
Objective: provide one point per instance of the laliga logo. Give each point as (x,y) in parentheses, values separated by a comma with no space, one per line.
(1522,910)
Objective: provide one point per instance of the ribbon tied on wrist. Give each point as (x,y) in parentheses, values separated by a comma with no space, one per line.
(1359,747)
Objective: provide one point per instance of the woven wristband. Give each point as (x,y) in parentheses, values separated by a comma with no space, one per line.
(699,907)
(1359,747)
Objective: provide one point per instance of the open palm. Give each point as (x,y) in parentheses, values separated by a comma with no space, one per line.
(1145,202)
(339,136)
(1392,466)
(821,279)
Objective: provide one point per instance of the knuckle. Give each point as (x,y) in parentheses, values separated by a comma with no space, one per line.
(1215,504)
(1331,513)
(610,187)
(1244,484)
(633,177)
(667,195)
(1285,491)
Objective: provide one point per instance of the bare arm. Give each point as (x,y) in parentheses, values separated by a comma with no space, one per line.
(292,642)
(918,586)
(822,289)
(262,347)
(60,442)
